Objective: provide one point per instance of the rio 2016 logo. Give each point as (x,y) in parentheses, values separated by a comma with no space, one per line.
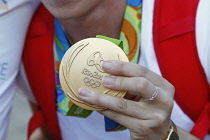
(3,5)
(95,60)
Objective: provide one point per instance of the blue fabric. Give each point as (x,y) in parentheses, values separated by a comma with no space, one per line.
(134,2)
(62,38)
(110,124)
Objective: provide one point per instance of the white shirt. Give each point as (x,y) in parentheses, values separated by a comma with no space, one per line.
(148,58)
(15,17)
(92,128)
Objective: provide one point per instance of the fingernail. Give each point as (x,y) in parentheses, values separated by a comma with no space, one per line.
(106,65)
(83,92)
(108,80)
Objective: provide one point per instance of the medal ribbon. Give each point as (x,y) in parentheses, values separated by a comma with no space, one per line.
(130,36)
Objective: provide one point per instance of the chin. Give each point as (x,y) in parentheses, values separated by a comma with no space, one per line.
(69,8)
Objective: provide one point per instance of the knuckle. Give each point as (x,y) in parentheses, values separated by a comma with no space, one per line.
(122,104)
(141,71)
(97,99)
(171,89)
(159,118)
(141,84)
(168,105)
(120,82)
(122,67)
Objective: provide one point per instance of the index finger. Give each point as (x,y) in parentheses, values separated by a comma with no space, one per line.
(120,68)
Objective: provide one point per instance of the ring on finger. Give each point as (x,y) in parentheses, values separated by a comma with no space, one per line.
(153,96)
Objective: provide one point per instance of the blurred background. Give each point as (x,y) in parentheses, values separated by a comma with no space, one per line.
(20,116)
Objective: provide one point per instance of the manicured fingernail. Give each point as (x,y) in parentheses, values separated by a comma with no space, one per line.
(106,65)
(108,80)
(83,92)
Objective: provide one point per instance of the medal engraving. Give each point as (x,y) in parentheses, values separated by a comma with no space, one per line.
(96,60)
(91,83)
(81,68)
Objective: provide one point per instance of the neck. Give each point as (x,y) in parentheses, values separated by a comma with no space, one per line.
(105,19)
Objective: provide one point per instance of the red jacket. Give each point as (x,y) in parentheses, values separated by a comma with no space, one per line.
(174,23)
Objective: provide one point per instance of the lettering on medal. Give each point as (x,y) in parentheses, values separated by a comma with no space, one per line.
(93,75)
(92,79)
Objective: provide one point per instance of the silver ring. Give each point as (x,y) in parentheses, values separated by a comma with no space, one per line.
(153,96)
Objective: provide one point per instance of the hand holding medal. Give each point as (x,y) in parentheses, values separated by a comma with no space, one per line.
(85,76)
(81,68)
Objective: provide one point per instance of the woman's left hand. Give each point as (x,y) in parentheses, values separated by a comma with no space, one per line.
(146,120)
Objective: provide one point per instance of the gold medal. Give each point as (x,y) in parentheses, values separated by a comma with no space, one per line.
(81,68)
